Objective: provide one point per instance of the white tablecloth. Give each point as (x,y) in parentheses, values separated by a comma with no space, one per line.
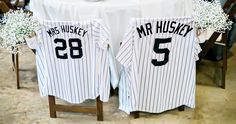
(115,13)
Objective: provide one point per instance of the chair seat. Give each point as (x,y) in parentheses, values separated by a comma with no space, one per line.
(18,3)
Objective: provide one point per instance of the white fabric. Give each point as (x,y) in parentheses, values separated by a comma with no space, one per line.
(158,56)
(164,8)
(205,35)
(62,72)
(115,13)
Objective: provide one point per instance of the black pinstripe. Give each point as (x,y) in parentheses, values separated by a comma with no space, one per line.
(75,80)
(157,88)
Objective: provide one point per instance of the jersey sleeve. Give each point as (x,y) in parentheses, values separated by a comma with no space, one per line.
(105,42)
(104,35)
(124,55)
(112,69)
(197,49)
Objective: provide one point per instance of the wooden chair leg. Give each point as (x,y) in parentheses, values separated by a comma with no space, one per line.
(136,114)
(99,105)
(223,78)
(224,66)
(17,71)
(112,91)
(15,64)
(13,61)
(52,110)
(181,108)
(224,63)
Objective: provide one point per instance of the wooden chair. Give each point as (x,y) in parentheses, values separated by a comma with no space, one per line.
(136,113)
(18,3)
(15,61)
(8,3)
(230,8)
(53,108)
(4,7)
(14,4)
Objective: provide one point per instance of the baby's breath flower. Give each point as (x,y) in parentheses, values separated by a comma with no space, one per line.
(210,15)
(14,27)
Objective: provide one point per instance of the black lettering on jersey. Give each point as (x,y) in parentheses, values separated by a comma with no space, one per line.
(159,27)
(188,30)
(182,29)
(141,30)
(166,26)
(172,27)
(164,51)
(53,31)
(73,29)
(148,28)
(178,28)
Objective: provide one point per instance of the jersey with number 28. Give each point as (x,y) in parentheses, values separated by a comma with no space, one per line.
(74,60)
(158,58)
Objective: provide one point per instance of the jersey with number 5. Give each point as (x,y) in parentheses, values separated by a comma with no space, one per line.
(158,58)
(73,61)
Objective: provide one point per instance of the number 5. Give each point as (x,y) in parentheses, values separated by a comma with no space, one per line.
(164,51)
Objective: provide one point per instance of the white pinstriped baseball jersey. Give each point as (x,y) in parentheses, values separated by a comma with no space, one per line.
(74,61)
(158,58)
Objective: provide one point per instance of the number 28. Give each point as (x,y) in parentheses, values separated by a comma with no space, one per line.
(73,48)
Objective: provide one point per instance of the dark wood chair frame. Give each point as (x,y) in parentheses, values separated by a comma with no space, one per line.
(5,6)
(136,114)
(53,108)
(13,4)
(230,8)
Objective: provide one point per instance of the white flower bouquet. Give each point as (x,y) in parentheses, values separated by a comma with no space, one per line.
(15,26)
(210,15)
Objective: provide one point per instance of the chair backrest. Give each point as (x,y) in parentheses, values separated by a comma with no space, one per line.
(14,4)
(230,8)
(3,7)
(228,3)
(8,3)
